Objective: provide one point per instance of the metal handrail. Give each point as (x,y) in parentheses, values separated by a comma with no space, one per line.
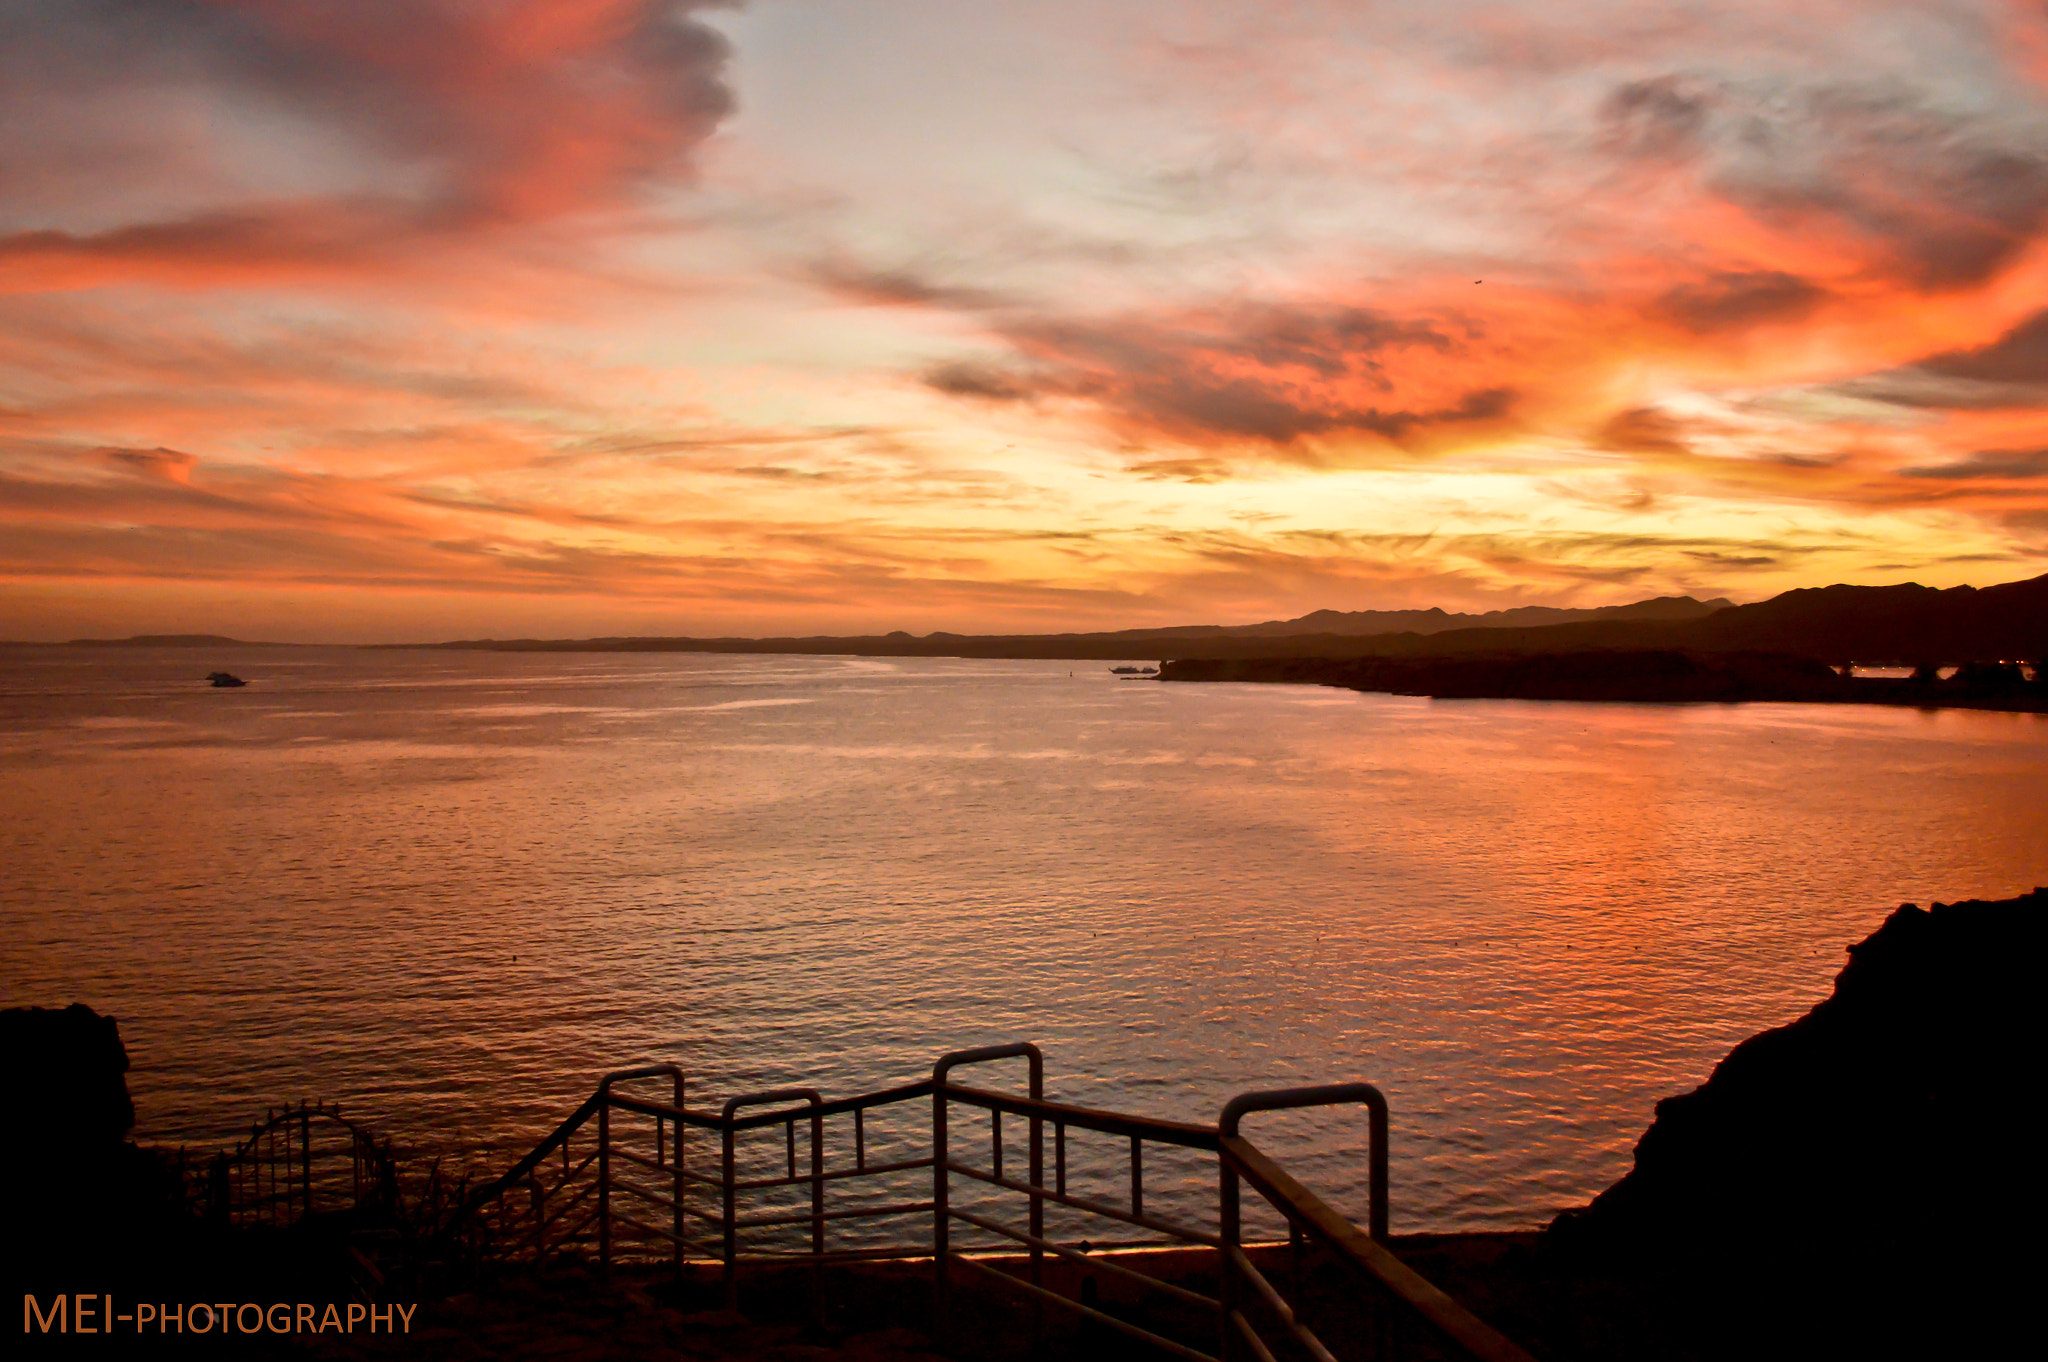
(1450,1321)
(1327,1095)
(1157,1129)
(1244,1289)
(942,1169)
(1363,1252)
(837,1106)
(730,1238)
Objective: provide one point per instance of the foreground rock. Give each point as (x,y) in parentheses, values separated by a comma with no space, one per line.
(83,1199)
(1862,1181)
(88,1212)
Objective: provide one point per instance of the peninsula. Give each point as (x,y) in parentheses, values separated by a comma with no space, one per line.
(1960,648)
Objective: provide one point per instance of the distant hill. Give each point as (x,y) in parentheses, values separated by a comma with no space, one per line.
(169,641)
(1187,640)
(1905,625)
(1436,621)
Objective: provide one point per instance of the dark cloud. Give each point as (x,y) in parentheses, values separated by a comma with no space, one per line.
(1664,117)
(2008,464)
(168,465)
(894,288)
(2011,371)
(1601,494)
(779,473)
(1950,191)
(1198,402)
(1915,387)
(1643,430)
(1274,375)
(1730,301)
(395,116)
(1325,343)
(1197,470)
(2019,356)
(1730,561)
(964,379)
(140,486)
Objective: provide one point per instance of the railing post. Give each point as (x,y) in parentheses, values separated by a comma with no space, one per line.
(266,1206)
(305,1161)
(729,1232)
(730,1176)
(1234,1111)
(220,1197)
(817,1215)
(682,1190)
(941,1294)
(604,1179)
(1037,1211)
(941,1229)
(1376,1170)
(1229,1291)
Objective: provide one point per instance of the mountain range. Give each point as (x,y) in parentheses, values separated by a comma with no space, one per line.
(1907,624)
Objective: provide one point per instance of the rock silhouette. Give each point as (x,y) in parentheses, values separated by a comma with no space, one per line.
(62,1079)
(84,1199)
(1857,1183)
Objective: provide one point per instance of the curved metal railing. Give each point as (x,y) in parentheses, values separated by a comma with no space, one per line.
(298,1160)
(637,1191)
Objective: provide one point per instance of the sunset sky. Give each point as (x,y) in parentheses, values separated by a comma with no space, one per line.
(414,319)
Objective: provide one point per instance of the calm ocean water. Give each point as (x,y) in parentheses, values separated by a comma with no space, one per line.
(449,890)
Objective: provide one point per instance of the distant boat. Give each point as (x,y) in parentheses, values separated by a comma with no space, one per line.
(225,679)
(1134,671)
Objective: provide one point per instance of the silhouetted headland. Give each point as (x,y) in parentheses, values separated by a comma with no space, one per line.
(1967,649)
(1864,1181)
(1661,674)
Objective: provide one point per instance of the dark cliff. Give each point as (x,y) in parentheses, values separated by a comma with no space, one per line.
(1864,1181)
(87,1207)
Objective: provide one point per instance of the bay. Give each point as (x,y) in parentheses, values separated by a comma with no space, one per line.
(449,890)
